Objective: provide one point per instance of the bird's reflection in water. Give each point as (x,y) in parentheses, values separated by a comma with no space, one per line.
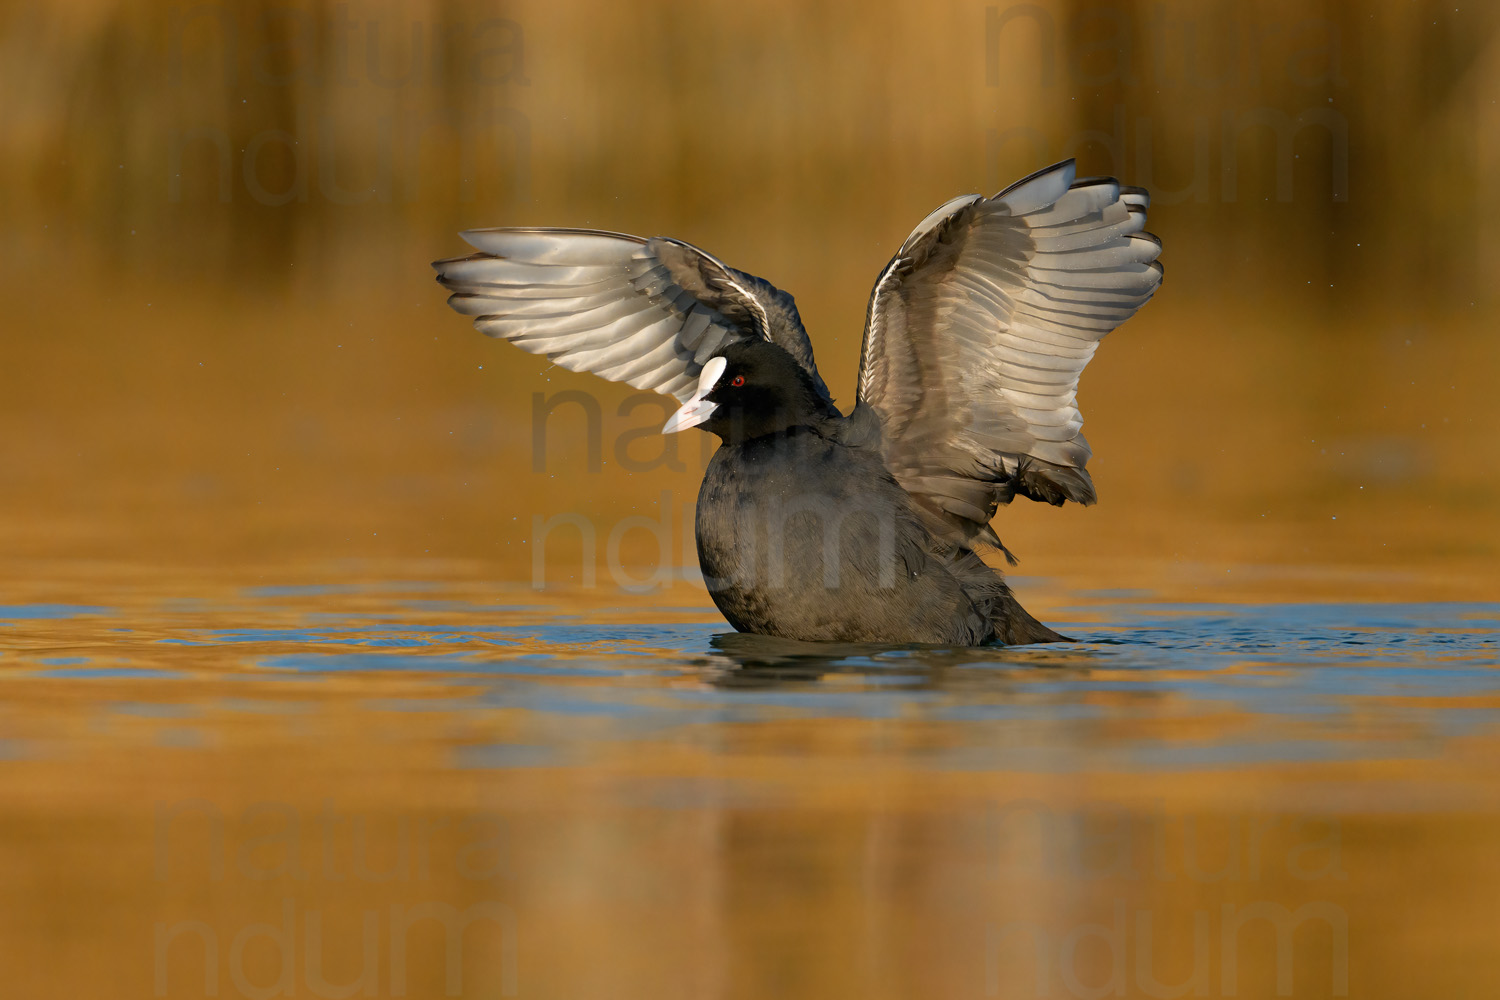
(744,660)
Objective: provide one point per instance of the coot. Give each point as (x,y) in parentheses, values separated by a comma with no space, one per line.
(868,527)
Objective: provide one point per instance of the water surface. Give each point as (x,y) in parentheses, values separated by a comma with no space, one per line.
(641,802)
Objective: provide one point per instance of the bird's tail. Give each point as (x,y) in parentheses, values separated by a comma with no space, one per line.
(1014,625)
(1010,623)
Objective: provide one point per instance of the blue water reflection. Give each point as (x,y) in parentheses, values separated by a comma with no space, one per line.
(1296,682)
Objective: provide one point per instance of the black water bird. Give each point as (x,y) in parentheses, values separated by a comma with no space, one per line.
(811,524)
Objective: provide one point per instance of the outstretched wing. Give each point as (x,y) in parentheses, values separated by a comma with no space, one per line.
(978,330)
(648,312)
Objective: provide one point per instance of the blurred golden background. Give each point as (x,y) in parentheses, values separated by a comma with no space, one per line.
(226,370)
(224,341)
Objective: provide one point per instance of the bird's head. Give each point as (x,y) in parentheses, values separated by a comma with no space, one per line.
(750,389)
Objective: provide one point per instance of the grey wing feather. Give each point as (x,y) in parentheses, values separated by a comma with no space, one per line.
(978,330)
(648,312)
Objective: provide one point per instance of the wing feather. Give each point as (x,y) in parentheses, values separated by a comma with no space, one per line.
(645,312)
(978,330)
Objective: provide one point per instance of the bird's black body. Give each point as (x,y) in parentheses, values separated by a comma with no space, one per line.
(803,533)
(812,524)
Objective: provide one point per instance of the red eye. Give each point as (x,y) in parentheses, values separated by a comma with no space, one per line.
(737,380)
